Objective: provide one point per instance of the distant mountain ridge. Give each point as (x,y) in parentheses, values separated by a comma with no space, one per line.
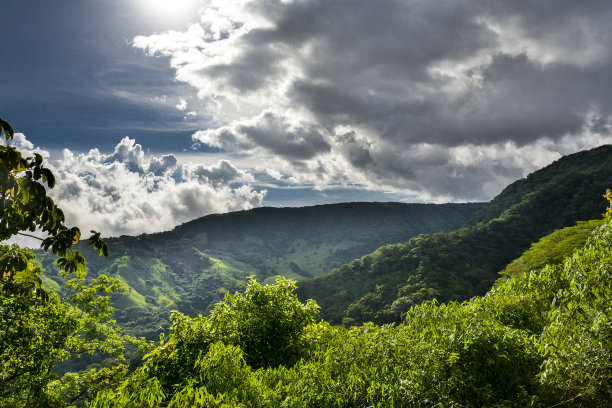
(359,225)
(191,267)
(383,285)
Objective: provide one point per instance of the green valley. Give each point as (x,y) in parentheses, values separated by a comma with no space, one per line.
(191,267)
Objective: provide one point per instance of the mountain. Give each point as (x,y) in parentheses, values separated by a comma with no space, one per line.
(191,267)
(383,285)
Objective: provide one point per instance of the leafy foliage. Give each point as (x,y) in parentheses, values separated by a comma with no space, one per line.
(552,249)
(260,328)
(38,328)
(26,206)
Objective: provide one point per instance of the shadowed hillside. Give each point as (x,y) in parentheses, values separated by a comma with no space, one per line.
(383,285)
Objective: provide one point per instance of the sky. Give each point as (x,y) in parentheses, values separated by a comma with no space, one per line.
(156,112)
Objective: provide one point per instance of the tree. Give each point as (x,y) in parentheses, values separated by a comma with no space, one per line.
(38,328)
(266,321)
(264,327)
(26,206)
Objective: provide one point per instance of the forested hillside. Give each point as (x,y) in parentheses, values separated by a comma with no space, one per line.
(383,285)
(193,266)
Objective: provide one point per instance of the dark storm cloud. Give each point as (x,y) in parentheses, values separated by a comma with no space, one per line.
(356,151)
(361,50)
(447,92)
(253,69)
(276,135)
(271,133)
(399,38)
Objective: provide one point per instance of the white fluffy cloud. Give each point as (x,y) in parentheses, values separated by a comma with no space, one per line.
(128,193)
(449,99)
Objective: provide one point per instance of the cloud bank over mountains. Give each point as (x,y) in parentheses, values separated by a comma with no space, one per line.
(442,100)
(127,193)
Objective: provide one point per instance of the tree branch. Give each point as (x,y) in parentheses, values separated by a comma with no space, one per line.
(31,236)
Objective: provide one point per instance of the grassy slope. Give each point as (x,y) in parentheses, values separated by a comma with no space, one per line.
(552,249)
(464,263)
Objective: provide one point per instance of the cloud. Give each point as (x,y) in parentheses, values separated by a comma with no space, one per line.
(274,173)
(161,165)
(126,192)
(223,173)
(21,143)
(127,152)
(182,105)
(437,98)
(267,133)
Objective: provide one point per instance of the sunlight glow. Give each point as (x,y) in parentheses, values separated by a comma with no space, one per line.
(170,11)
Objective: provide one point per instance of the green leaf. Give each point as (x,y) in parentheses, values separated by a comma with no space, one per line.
(7,128)
(98,243)
(104,250)
(48,177)
(76,235)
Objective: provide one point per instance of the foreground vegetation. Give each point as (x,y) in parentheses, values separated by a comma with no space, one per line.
(540,339)
(38,328)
